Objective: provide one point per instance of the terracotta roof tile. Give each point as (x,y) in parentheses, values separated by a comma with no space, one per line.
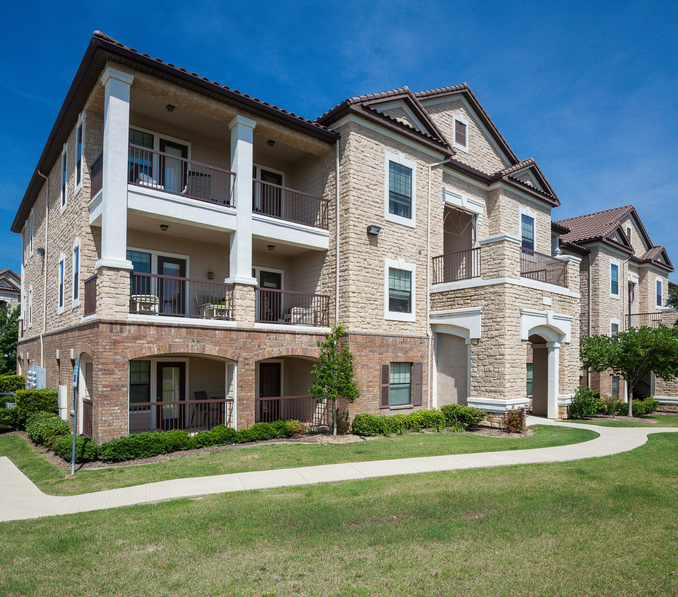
(595,226)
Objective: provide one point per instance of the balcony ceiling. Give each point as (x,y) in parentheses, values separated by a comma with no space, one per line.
(177,229)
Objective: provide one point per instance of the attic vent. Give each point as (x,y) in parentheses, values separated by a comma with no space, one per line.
(628,233)
(460,134)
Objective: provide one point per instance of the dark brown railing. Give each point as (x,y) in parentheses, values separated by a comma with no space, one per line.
(300,408)
(287,204)
(543,268)
(96,175)
(153,294)
(187,415)
(173,174)
(652,320)
(90,295)
(87,407)
(462,265)
(293,308)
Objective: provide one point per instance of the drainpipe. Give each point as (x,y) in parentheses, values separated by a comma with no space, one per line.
(44,270)
(429,334)
(588,283)
(336,243)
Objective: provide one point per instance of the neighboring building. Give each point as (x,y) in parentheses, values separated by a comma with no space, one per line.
(200,242)
(624,283)
(10,289)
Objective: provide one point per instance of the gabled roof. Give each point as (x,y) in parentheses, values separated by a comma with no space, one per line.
(606,227)
(529,165)
(9,281)
(103,48)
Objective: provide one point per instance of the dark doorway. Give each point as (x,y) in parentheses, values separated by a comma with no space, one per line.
(173,173)
(172,291)
(269,386)
(270,299)
(171,384)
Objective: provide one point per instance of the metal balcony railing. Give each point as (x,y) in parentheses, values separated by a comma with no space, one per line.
(293,308)
(462,265)
(287,204)
(543,268)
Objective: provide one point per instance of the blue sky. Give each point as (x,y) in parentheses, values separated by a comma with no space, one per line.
(589,89)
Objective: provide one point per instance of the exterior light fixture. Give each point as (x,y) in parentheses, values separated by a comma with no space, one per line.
(169,107)
(373,230)
(271,142)
(270,247)
(164,227)
(40,251)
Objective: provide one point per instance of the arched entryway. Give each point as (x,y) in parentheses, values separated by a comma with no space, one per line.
(452,375)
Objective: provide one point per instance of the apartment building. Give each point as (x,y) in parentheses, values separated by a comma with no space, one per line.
(624,283)
(10,289)
(192,244)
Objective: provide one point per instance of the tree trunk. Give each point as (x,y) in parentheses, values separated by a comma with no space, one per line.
(630,386)
(335,417)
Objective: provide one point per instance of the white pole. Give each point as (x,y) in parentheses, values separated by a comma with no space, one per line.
(76,374)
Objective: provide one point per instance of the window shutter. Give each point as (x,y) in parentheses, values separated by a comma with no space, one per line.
(385,384)
(416,383)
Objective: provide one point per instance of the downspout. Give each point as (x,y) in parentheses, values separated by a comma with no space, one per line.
(44,270)
(588,332)
(429,333)
(336,242)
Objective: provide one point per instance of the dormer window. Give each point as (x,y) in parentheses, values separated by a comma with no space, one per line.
(460,133)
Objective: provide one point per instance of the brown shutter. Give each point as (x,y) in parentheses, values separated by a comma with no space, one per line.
(416,383)
(385,384)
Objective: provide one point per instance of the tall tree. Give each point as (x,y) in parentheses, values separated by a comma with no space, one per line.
(9,336)
(334,372)
(633,354)
(672,301)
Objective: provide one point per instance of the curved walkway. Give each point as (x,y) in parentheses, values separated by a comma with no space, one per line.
(21,499)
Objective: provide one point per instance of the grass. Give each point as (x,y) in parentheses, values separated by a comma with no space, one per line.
(601,526)
(58,481)
(644,421)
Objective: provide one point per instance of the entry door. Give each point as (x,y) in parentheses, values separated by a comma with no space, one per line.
(269,199)
(172,292)
(270,302)
(171,384)
(174,169)
(269,385)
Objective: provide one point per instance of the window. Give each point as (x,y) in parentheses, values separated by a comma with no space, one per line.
(76,273)
(399,291)
(659,293)
(30,306)
(461,133)
(30,241)
(64,177)
(615,386)
(141,264)
(78,153)
(400,184)
(401,384)
(399,190)
(140,161)
(527,231)
(60,303)
(614,330)
(614,279)
(139,381)
(530,378)
(24,245)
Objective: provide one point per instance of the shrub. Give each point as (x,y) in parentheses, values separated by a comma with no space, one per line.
(369,425)
(280,428)
(43,427)
(11,383)
(243,436)
(610,405)
(143,445)
(9,419)
(263,431)
(176,440)
(294,428)
(643,407)
(428,419)
(585,403)
(33,401)
(458,414)
(85,448)
(514,420)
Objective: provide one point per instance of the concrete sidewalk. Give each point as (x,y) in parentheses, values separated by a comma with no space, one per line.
(21,499)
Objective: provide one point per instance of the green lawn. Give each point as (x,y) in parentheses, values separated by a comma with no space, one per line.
(58,481)
(601,526)
(645,421)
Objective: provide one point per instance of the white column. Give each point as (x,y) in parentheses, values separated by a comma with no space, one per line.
(242,135)
(554,382)
(114,174)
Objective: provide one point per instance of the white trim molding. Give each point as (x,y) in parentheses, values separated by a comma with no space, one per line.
(466,323)
(497,238)
(462,120)
(399,158)
(612,294)
(498,405)
(463,202)
(78,172)
(556,327)
(524,282)
(75,286)
(408,267)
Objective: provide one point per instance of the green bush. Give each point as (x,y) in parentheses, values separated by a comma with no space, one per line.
(458,414)
(263,431)
(293,428)
(33,401)
(9,418)
(11,383)
(281,428)
(585,403)
(85,448)
(427,419)
(144,445)
(369,425)
(43,427)
(611,405)
(514,420)
(642,407)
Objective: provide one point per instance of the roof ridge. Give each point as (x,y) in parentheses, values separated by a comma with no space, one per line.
(596,213)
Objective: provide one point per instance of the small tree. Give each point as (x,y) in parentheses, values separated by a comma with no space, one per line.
(672,301)
(9,336)
(334,372)
(633,354)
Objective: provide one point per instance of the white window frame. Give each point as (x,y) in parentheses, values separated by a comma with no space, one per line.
(618,264)
(402,265)
(79,170)
(63,189)
(75,301)
(256,274)
(30,306)
(258,168)
(32,232)
(659,292)
(24,245)
(61,284)
(616,322)
(460,118)
(530,213)
(399,158)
